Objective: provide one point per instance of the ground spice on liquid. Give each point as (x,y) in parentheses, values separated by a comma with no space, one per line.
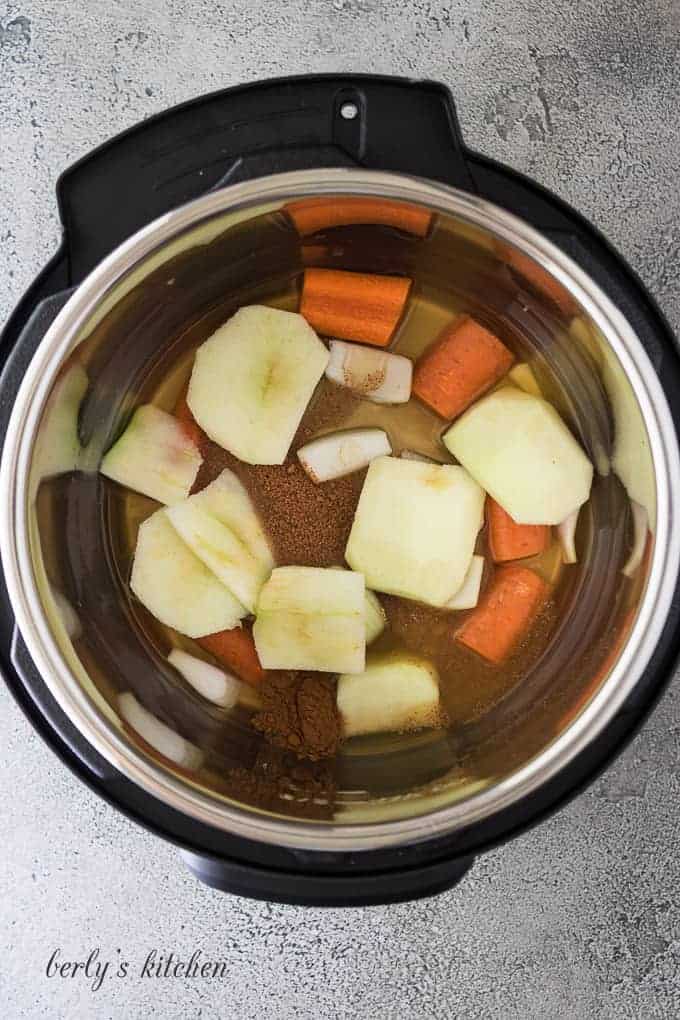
(299,714)
(308,524)
(278,781)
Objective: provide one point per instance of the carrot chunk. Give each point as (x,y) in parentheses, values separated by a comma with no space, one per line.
(236,650)
(354,306)
(509,540)
(464,362)
(504,614)
(310,215)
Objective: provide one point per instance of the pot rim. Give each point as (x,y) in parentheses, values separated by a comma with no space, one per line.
(102,734)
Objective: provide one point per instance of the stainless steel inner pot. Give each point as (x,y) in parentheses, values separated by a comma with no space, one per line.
(151,300)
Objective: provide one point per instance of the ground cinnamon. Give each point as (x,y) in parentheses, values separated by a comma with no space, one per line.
(299,713)
(279,781)
(308,524)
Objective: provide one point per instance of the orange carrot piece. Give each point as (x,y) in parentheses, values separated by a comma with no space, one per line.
(464,362)
(310,215)
(236,650)
(509,540)
(505,612)
(354,306)
(538,278)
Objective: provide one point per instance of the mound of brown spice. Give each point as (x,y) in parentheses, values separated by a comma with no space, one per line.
(299,714)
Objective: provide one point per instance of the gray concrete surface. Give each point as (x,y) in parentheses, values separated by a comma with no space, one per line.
(578,919)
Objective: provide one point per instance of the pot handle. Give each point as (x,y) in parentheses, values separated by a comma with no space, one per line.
(353,888)
(267,127)
(360,120)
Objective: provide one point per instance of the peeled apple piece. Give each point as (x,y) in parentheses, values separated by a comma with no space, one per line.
(227,500)
(312,618)
(222,527)
(154,456)
(211,683)
(396,693)
(341,453)
(374,615)
(156,733)
(415,529)
(381,377)
(517,447)
(220,550)
(252,381)
(467,595)
(176,587)
(58,446)
(631,457)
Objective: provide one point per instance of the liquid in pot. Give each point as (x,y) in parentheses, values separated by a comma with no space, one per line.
(88,525)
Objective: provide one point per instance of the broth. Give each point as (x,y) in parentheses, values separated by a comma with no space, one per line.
(309,525)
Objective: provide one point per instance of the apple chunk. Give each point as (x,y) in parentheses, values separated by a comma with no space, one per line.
(252,381)
(176,587)
(227,500)
(58,447)
(396,692)
(312,618)
(467,595)
(154,456)
(518,448)
(221,527)
(415,529)
(374,615)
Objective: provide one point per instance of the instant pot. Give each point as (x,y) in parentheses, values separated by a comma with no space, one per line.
(188,208)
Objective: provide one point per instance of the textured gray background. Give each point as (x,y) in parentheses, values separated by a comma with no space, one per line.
(579,918)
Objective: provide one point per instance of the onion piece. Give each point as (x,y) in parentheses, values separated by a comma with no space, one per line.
(211,683)
(566,533)
(467,595)
(161,737)
(639,538)
(381,377)
(341,453)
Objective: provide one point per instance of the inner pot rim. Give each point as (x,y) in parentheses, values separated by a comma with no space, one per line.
(102,734)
